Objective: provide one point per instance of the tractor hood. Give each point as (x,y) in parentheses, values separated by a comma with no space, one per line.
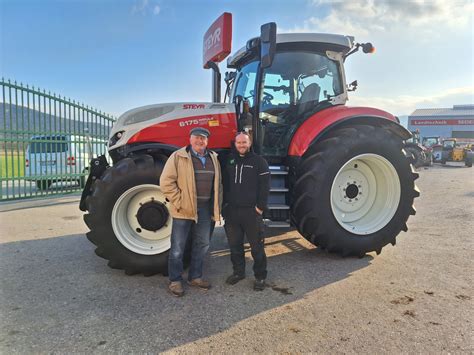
(167,123)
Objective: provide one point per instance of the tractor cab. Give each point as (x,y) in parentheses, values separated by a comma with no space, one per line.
(449,144)
(305,75)
(431,141)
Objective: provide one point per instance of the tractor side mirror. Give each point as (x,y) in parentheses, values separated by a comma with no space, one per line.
(267,44)
(352,86)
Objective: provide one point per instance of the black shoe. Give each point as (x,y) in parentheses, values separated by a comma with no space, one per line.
(259,285)
(233,279)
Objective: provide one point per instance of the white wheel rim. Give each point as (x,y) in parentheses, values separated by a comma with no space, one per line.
(127,228)
(365,194)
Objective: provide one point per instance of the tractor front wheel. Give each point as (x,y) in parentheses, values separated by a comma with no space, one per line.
(354,191)
(128,217)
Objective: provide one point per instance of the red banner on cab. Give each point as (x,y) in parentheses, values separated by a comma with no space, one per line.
(217,41)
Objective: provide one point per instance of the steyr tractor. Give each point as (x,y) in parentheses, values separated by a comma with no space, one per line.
(433,146)
(453,151)
(339,174)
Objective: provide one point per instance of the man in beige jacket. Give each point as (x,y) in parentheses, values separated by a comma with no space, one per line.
(191,181)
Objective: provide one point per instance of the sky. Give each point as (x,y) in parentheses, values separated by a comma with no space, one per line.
(115,55)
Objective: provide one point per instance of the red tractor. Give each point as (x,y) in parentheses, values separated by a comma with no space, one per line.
(340,174)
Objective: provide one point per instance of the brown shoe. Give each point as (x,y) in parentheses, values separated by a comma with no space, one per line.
(202,284)
(176,288)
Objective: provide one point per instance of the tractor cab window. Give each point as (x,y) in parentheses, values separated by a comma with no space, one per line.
(430,141)
(244,85)
(449,144)
(295,86)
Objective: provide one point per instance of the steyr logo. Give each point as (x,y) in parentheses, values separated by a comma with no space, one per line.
(213,39)
(193,106)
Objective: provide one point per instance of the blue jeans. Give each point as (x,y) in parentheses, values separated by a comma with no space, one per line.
(199,233)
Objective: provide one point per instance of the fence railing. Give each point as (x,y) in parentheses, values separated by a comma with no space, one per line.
(46,141)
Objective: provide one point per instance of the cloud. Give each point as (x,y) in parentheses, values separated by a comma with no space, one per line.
(406,104)
(140,7)
(361,17)
(144,7)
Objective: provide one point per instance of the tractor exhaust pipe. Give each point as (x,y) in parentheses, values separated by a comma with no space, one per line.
(216,81)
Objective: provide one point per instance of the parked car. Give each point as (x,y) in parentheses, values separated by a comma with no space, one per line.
(52,158)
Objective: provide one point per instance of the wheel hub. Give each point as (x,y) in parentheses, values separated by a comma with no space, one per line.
(152,215)
(352,191)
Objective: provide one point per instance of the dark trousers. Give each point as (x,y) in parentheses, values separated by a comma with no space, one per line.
(240,222)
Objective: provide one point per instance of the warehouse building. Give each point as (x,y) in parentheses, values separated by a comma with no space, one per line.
(455,122)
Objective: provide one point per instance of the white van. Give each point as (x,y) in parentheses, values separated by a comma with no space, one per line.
(52,158)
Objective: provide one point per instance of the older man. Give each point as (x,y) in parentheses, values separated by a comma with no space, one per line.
(191,181)
(246,194)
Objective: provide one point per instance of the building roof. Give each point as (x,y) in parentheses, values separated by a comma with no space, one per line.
(456,110)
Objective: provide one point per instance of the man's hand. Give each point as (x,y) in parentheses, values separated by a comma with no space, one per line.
(259,211)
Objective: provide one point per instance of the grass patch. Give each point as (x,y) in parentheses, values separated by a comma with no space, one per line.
(12,164)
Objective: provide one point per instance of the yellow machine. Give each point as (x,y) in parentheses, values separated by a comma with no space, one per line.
(452,151)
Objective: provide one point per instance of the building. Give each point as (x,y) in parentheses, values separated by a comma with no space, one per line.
(456,122)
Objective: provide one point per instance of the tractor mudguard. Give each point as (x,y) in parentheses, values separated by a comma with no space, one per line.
(316,126)
(97,168)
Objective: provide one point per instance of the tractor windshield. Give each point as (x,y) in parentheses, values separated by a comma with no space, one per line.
(295,86)
(299,80)
(244,84)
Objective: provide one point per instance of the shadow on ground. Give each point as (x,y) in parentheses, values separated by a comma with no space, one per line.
(57,295)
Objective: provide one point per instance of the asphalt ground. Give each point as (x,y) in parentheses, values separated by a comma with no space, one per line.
(57,296)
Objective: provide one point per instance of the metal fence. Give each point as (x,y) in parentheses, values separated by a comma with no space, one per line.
(46,142)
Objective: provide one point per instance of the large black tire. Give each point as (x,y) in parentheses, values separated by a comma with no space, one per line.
(312,209)
(128,173)
(418,156)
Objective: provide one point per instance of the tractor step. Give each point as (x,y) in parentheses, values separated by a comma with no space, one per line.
(277,224)
(275,206)
(278,212)
(278,170)
(279,189)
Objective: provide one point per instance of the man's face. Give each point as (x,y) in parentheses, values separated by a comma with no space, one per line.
(242,143)
(198,143)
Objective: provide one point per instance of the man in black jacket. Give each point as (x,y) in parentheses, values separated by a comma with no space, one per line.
(246,188)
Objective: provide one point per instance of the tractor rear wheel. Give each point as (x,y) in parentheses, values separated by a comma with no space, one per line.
(354,191)
(128,217)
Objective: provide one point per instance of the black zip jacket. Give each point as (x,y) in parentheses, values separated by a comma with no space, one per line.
(246,181)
